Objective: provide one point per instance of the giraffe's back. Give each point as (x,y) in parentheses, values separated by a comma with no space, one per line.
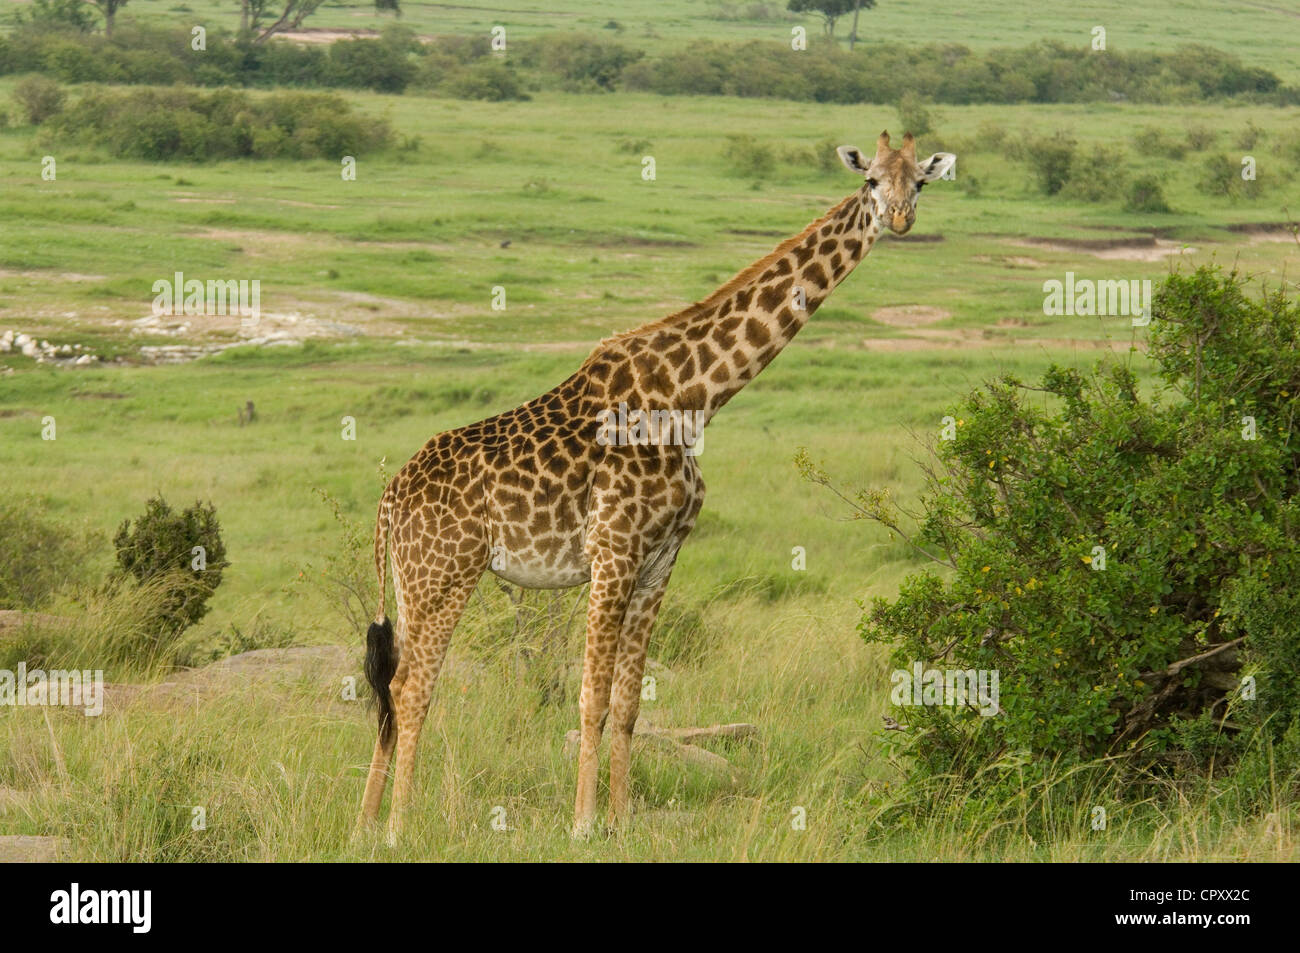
(521,477)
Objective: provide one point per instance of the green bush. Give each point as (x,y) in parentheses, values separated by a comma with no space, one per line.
(63,15)
(487,79)
(365,64)
(1050,159)
(462,66)
(1250,136)
(38,556)
(187,124)
(827,157)
(1146,195)
(1200,138)
(1097,175)
(748,157)
(581,63)
(1154,141)
(1220,175)
(914,114)
(185,546)
(1190,499)
(39,99)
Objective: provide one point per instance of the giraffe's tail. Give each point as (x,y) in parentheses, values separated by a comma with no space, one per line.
(381,654)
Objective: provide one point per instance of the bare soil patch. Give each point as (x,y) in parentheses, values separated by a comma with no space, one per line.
(323,667)
(921,238)
(11,620)
(1257,233)
(1148,248)
(46,276)
(28,849)
(1010,261)
(910,315)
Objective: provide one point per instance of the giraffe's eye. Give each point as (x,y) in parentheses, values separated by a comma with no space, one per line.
(920,185)
(872,183)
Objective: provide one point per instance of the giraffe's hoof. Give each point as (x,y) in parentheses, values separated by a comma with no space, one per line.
(582,829)
(390,837)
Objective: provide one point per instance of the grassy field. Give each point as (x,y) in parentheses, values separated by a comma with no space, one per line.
(1261,33)
(379,293)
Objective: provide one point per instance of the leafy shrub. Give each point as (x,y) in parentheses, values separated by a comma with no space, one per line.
(1155,141)
(1200,138)
(236,640)
(487,79)
(1191,498)
(914,114)
(365,64)
(186,546)
(989,137)
(748,157)
(637,147)
(880,73)
(458,66)
(38,556)
(114,624)
(1250,136)
(582,63)
(1096,175)
(187,124)
(1146,195)
(345,578)
(1220,175)
(39,98)
(57,15)
(1049,160)
(826,156)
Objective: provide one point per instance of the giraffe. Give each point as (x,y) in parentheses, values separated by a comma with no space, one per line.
(545,497)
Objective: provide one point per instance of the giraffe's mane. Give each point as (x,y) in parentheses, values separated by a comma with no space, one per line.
(741,279)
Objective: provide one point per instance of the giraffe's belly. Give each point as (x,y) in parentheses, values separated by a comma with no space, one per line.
(539,574)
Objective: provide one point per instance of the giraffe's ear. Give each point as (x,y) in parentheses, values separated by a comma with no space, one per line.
(853,159)
(935,166)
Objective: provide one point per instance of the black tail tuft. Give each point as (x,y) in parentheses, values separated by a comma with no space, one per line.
(381,664)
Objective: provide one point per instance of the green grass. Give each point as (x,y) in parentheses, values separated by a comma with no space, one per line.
(1259,32)
(406,257)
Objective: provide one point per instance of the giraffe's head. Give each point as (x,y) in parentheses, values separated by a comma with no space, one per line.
(894,178)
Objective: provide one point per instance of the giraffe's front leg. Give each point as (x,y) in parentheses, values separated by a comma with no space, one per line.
(625,701)
(612,580)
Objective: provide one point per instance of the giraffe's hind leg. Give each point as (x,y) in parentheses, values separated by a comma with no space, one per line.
(428,630)
(377,779)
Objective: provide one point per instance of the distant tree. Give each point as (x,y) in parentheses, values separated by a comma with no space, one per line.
(832,10)
(254,15)
(58,15)
(108,8)
(858,8)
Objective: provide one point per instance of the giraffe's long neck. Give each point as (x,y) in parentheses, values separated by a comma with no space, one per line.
(722,343)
